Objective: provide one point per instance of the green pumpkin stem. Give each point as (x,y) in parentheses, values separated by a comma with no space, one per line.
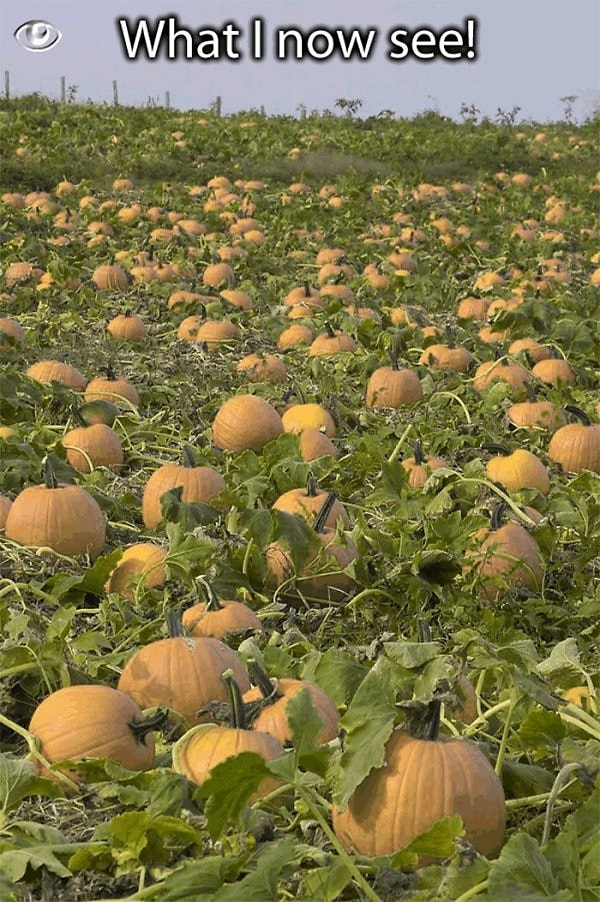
(496,449)
(321,520)
(307,291)
(188,457)
(260,679)
(212,599)
(418,453)
(77,416)
(109,372)
(394,359)
(329,329)
(432,720)
(312,487)
(174,624)
(531,395)
(50,480)
(579,413)
(424,630)
(238,714)
(498,516)
(140,728)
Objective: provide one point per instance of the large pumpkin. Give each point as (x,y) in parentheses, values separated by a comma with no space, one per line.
(94,446)
(48,371)
(422,781)
(142,562)
(307,502)
(93,721)
(217,617)
(391,386)
(62,517)
(245,421)
(519,470)
(197,483)
(576,446)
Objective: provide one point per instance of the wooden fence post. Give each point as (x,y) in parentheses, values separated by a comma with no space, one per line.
(218,105)
(62,89)
(6,85)
(168,99)
(115,94)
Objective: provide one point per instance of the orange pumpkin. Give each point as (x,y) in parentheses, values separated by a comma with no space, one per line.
(197,484)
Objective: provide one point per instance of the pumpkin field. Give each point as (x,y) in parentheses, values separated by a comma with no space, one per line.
(299,506)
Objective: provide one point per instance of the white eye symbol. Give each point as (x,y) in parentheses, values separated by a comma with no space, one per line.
(37,35)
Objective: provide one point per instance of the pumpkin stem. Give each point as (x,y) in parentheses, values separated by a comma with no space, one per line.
(307,292)
(212,599)
(450,338)
(174,624)
(418,453)
(321,520)
(496,449)
(579,413)
(394,359)
(432,720)
(50,480)
(188,456)
(498,516)
(424,630)
(238,714)
(312,488)
(76,414)
(127,312)
(140,728)
(329,330)
(267,688)
(202,308)
(531,395)
(109,372)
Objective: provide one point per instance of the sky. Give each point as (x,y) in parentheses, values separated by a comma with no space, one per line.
(529,54)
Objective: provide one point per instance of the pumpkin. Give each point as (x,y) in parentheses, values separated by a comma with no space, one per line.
(554,371)
(308,502)
(206,745)
(142,562)
(516,471)
(5,506)
(308,416)
(127,327)
(48,371)
(408,315)
(89,447)
(239,299)
(533,413)
(214,334)
(473,308)
(11,333)
(197,484)
(447,357)
(508,553)
(93,721)
(245,421)
(294,335)
(111,388)
(419,466)
(110,278)
(423,780)
(185,298)
(62,517)
(314,444)
(262,368)
(330,556)
(272,717)
(576,446)
(531,347)
(21,272)
(391,386)
(331,342)
(493,370)
(217,617)
(181,673)
(218,275)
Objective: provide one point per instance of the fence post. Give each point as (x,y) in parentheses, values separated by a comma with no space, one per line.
(115,94)
(62,89)
(6,84)
(168,99)
(218,105)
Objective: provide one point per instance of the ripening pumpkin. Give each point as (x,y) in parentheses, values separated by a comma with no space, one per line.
(262,368)
(493,370)
(239,299)
(519,470)
(197,484)
(308,416)
(508,553)
(532,347)
(47,371)
(307,503)
(181,673)
(576,446)
(110,278)
(199,750)
(295,335)
(89,447)
(473,308)
(272,717)
(218,275)
(218,617)
(447,357)
(391,386)
(420,466)
(532,414)
(54,515)
(142,562)
(407,315)
(245,421)
(127,327)
(93,721)
(554,370)
(11,333)
(314,443)
(423,780)
(112,388)
(332,342)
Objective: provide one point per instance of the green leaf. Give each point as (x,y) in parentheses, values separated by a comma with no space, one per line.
(327,883)
(436,842)
(335,671)
(523,872)
(262,882)
(563,663)
(14,864)
(228,789)
(305,725)
(18,780)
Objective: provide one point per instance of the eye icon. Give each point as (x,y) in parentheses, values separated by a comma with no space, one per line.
(37,36)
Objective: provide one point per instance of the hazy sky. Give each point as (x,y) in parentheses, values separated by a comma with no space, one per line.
(530,54)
